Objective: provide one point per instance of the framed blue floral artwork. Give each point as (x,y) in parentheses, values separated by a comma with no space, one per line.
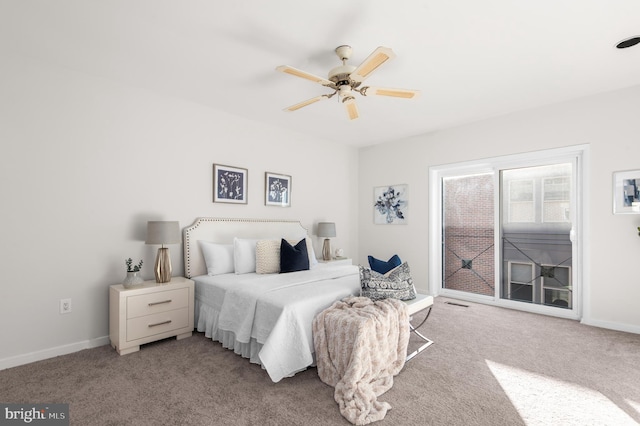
(229,184)
(391,204)
(277,190)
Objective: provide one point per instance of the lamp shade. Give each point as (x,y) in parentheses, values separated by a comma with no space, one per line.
(163,232)
(326,229)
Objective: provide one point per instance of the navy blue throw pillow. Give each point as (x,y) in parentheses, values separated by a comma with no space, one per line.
(382,267)
(293,258)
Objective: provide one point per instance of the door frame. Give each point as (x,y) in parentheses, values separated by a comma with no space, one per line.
(578,155)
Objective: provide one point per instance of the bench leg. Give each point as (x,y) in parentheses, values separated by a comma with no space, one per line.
(428,341)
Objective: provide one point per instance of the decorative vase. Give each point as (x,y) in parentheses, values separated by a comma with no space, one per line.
(132,279)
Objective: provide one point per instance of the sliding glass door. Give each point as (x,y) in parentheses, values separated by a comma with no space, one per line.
(505,231)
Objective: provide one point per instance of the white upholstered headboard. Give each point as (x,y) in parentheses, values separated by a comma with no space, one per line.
(223,231)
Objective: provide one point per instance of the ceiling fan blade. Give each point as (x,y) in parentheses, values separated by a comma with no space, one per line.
(303,74)
(385,91)
(352,108)
(377,58)
(307,102)
(628,42)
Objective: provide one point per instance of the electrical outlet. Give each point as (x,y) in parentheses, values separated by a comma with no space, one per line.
(65,306)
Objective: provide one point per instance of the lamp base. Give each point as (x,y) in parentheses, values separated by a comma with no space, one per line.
(162,268)
(326,249)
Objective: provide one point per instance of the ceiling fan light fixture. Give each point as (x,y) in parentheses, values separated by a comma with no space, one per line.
(345,92)
(632,41)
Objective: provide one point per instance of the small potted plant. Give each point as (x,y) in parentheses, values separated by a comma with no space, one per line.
(133,277)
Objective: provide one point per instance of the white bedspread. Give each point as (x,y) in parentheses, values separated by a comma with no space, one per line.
(268,318)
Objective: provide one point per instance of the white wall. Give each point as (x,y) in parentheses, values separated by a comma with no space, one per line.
(86,162)
(608,123)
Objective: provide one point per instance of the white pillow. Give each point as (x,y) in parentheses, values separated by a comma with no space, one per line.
(217,257)
(312,254)
(244,255)
(268,257)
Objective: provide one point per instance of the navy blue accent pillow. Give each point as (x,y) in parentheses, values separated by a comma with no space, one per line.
(382,267)
(293,258)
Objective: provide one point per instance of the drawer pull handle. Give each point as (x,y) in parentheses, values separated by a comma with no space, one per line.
(160,303)
(160,323)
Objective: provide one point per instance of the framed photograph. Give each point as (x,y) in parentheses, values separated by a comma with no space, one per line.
(277,190)
(626,196)
(229,184)
(390,205)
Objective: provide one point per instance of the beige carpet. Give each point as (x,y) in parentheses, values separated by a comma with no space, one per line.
(488,366)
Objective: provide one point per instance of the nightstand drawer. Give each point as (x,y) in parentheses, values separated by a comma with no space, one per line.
(161,301)
(149,325)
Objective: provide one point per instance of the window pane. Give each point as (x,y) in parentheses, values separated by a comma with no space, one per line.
(468,232)
(536,248)
(521,273)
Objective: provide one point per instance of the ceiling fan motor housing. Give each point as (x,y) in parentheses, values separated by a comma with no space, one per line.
(340,75)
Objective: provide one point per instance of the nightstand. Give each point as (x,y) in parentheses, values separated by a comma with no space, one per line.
(337,261)
(150,312)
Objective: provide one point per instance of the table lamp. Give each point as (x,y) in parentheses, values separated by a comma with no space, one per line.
(163,232)
(326,230)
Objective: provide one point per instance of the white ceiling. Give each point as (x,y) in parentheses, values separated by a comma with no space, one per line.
(470,59)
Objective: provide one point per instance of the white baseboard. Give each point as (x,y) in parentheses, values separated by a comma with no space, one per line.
(627,328)
(17,360)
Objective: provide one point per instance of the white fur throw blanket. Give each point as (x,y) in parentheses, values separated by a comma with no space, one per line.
(360,345)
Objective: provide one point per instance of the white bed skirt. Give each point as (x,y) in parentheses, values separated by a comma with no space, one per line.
(207,323)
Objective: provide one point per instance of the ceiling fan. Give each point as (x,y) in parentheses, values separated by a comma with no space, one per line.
(346,80)
(632,41)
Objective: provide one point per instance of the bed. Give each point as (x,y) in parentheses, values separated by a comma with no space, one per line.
(265,317)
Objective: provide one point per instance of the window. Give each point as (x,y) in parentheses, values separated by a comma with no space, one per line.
(521,204)
(556,199)
(521,280)
(556,285)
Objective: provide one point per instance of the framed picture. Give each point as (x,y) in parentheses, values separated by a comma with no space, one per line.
(229,184)
(277,190)
(626,192)
(390,204)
